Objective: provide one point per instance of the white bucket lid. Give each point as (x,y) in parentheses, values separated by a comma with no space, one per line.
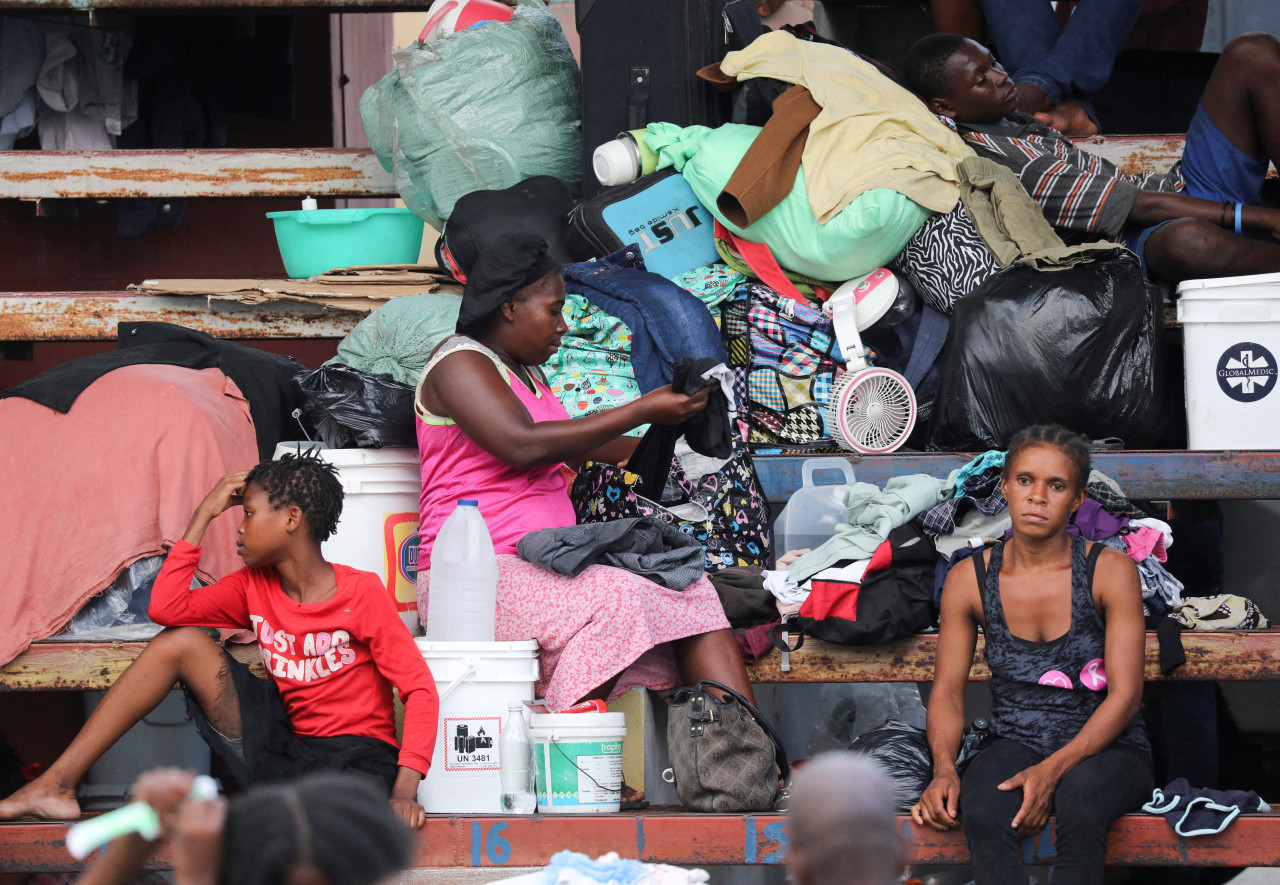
(561,721)
(1200,288)
(351,457)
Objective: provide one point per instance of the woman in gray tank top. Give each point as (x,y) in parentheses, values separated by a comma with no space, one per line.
(1063,625)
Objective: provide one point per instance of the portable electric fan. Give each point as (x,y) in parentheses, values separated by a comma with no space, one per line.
(872,409)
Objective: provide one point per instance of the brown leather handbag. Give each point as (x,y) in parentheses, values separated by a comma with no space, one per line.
(724,755)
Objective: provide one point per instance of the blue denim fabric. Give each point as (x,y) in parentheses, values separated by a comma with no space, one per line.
(1069,62)
(667,323)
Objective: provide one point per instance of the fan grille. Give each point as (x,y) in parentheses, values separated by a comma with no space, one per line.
(874,411)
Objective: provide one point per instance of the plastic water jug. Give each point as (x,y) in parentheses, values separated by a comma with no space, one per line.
(811,516)
(462,599)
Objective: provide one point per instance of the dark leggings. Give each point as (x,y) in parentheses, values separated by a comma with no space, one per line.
(1087,802)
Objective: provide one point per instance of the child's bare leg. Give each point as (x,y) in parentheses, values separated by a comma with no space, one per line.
(184,654)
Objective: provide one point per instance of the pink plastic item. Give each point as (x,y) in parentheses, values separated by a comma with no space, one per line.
(450,16)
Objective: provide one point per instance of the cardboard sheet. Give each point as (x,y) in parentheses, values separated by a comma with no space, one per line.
(345,288)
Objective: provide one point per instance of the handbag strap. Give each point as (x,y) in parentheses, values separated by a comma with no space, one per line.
(780,755)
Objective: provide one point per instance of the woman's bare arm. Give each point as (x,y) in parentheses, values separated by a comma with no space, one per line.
(957,638)
(467,387)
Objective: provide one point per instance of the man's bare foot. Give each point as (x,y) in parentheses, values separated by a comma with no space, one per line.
(1032,99)
(42,801)
(1069,119)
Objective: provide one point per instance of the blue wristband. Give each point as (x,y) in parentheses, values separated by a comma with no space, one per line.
(1239,206)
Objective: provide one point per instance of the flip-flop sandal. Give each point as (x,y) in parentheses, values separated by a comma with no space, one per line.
(632,804)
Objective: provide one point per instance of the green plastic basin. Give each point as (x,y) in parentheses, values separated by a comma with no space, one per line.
(313,241)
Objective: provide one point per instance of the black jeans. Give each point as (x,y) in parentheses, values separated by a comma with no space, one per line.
(1087,802)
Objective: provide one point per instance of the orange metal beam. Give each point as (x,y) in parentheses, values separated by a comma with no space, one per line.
(687,839)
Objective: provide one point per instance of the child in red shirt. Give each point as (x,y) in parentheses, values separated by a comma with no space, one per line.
(330,639)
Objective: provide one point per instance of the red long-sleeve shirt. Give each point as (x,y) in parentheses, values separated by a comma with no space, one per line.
(334,661)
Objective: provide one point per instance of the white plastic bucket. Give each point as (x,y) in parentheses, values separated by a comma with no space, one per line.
(1231,339)
(378,530)
(813,511)
(579,761)
(475,681)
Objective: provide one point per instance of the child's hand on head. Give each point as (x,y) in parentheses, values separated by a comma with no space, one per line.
(227,493)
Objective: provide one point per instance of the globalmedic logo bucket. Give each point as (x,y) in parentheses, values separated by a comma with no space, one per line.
(1246,372)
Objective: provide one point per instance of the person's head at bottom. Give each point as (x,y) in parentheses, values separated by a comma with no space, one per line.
(322,829)
(842,823)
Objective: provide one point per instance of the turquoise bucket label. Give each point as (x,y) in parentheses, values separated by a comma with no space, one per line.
(571,774)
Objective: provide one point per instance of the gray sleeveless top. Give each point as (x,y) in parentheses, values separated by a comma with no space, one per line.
(1043,692)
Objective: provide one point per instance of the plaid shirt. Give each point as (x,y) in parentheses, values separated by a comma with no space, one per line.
(1083,196)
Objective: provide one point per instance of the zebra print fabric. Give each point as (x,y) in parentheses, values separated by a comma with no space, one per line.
(945,260)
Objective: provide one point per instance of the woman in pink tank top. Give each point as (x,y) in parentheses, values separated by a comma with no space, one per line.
(490,429)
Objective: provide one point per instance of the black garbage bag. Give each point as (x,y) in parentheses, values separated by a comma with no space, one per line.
(902,750)
(1081,347)
(352,409)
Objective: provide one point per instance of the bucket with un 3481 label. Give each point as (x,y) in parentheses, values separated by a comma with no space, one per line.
(1231,341)
(476,680)
(579,761)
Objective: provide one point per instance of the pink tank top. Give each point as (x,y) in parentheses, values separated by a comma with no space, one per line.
(513,501)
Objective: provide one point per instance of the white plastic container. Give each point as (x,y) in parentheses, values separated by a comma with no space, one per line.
(378,529)
(579,761)
(476,680)
(462,602)
(813,512)
(1231,338)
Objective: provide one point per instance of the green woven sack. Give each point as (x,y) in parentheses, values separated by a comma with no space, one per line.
(481,109)
(397,338)
(865,235)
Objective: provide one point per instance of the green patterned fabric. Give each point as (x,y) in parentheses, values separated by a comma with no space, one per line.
(592,369)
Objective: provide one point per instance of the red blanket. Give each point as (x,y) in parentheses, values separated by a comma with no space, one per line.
(117,478)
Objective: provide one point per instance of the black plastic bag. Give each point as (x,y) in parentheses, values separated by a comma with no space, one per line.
(1081,347)
(352,409)
(902,750)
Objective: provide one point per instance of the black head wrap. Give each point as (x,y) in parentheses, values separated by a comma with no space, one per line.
(507,266)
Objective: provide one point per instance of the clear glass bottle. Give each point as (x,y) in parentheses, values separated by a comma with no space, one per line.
(515,768)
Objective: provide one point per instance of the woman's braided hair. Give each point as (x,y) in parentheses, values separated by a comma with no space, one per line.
(307,481)
(1055,436)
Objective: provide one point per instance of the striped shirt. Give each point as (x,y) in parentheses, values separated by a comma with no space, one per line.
(1084,196)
